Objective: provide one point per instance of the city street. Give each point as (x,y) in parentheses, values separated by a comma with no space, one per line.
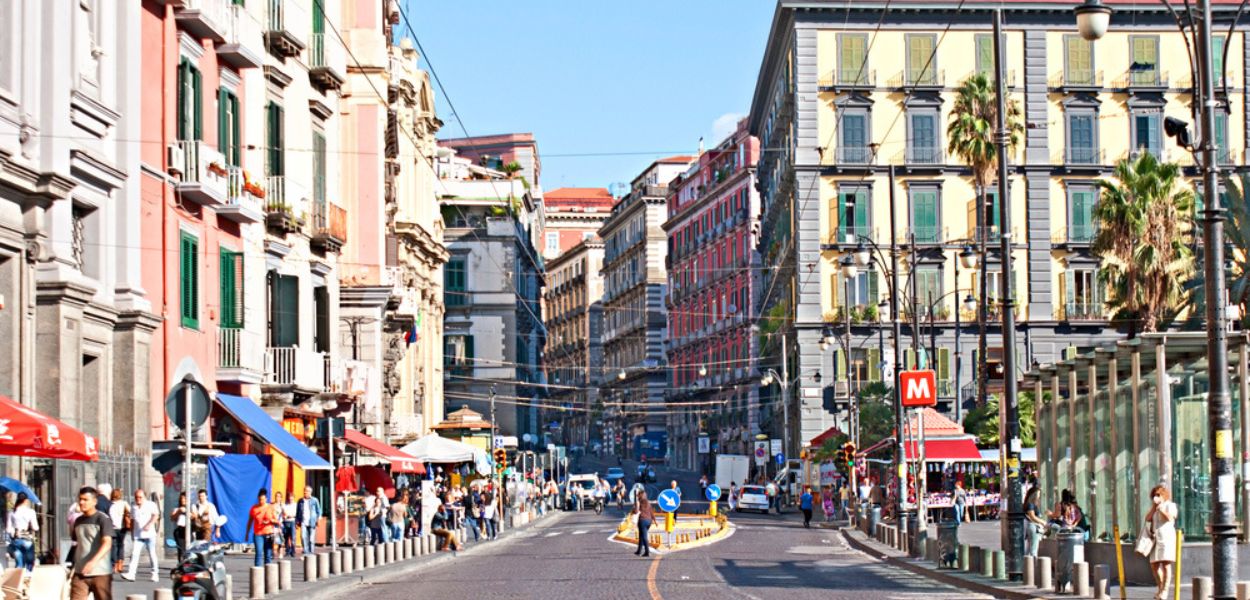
(570,557)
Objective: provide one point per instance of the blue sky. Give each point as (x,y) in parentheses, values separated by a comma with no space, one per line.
(632,76)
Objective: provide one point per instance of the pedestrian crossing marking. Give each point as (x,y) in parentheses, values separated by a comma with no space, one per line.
(553,534)
(579,532)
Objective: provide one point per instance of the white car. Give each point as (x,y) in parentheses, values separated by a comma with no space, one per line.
(753,497)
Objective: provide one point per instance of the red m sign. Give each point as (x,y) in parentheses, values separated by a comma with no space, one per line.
(919,388)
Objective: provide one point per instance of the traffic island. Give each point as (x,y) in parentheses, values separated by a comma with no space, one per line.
(689,531)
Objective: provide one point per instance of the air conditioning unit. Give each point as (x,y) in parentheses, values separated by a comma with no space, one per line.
(175,159)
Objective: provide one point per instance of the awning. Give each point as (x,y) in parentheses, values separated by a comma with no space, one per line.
(251,416)
(25,431)
(829,434)
(437,449)
(946,450)
(400,462)
(353,479)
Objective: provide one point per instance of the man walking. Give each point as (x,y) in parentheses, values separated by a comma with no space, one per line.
(93,538)
(306,516)
(805,505)
(144,518)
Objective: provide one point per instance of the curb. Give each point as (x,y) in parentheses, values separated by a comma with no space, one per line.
(947,577)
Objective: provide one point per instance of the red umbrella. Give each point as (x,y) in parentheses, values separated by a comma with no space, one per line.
(27,432)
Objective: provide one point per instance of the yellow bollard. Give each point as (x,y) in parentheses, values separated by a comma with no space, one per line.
(1119,560)
(712,509)
(669,521)
(1180,544)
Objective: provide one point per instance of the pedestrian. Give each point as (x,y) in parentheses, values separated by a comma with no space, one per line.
(362,520)
(93,538)
(440,525)
(204,517)
(826,502)
(398,512)
(22,527)
(844,499)
(261,519)
(287,510)
(376,517)
(1161,527)
(488,513)
(307,513)
(145,516)
(1036,525)
(960,501)
(473,511)
(179,518)
(770,489)
(805,505)
(1067,514)
(119,512)
(646,516)
(733,495)
(673,486)
(104,497)
(703,485)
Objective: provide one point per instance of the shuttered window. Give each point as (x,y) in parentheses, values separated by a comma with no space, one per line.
(1078,60)
(283,310)
(1145,65)
(852,53)
(189,280)
(985,55)
(274,141)
(229,131)
(921,60)
(454,283)
(190,102)
(231,289)
(925,218)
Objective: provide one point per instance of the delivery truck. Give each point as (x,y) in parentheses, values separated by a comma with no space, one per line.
(731,469)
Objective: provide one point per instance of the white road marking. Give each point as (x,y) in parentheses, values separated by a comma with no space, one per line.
(553,534)
(579,532)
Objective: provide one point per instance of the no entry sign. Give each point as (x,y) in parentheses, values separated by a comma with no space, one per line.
(919,388)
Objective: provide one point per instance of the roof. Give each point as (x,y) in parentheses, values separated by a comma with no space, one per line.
(935,425)
(680,159)
(260,423)
(489,140)
(465,418)
(579,198)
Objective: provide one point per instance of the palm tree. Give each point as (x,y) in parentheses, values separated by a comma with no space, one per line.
(1144,241)
(1237,232)
(970,136)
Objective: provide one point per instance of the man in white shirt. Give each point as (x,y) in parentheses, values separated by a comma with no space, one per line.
(145,517)
(204,512)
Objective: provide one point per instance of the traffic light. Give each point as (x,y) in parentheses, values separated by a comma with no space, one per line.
(501,459)
(848,451)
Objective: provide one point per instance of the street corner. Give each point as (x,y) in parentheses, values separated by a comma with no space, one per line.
(689,531)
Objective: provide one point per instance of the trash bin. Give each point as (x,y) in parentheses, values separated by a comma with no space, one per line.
(948,544)
(916,535)
(1070,544)
(874,517)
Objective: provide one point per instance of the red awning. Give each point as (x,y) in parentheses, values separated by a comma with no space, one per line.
(400,462)
(829,434)
(353,479)
(941,450)
(27,432)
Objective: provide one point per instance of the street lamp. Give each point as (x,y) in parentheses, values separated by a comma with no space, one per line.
(702,370)
(970,303)
(968,258)
(1092,19)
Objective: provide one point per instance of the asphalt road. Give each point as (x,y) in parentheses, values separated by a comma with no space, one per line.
(570,556)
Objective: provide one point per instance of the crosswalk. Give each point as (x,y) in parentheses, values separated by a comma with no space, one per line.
(551,534)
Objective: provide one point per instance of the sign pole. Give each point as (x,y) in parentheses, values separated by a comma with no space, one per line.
(922,480)
(186,466)
(334,543)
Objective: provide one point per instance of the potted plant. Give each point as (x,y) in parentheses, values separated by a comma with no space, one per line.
(217,169)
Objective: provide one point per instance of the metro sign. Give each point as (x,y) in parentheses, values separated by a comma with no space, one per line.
(919,388)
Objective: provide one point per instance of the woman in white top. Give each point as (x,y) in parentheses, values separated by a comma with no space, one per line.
(119,513)
(288,524)
(22,526)
(1161,521)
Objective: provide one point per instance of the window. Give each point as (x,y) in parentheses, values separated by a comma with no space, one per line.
(228,127)
(1217,60)
(319,168)
(863,289)
(284,310)
(1082,145)
(1222,155)
(1144,69)
(458,351)
(553,241)
(274,139)
(990,230)
(924,203)
(1082,294)
(1147,132)
(995,287)
(852,58)
(454,283)
(1081,214)
(854,131)
(985,55)
(852,216)
(1078,60)
(928,288)
(231,289)
(921,60)
(189,280)
(923,147)
(190,113)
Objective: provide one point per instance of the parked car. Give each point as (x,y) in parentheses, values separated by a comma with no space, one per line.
(753,497)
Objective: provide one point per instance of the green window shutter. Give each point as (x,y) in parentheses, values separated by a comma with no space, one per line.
(1221,135)
(874,364)
(271,139)
(231,289)
(468,351)
(920,56)
(841,223)
(873,279)
(1079,57)
(944,364)
(985,54)
(1217,59)
(189,276)
(861,211)
(236,132)
(1069,289)
(318,18)
(319,167)
(197,92)
(909,359)
(851,58)
(926,217)
(184,79)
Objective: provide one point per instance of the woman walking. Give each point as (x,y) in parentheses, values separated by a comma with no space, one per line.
(1036,525)
(646,516)
(1161,526)
(488,513)
(119,513)
(22,528)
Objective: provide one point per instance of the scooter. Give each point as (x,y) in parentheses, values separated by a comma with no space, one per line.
(201,574)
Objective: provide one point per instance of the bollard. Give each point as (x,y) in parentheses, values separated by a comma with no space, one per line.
(1043,573)
(349,560)
(1102,581)
(162,595)
(1000,565)
(358,558)
(1029,565)
(964,558)
(987,562)
(1202,588)
(256,582)
(369,554)
(388,553)
(323,565)
(136,597)
(405,548)
(284,575)
(271,578)
(336,562)
(380,557)
(974,559)
(229,586)
(1081,577)
(1243,590)
(310,567)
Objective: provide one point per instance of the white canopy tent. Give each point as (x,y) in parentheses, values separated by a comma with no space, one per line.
(436,449)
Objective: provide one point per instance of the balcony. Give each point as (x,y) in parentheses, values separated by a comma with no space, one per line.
(1227,156)
(916,156)
(848,80)
(239,356)
(243,44)
(1078,80)
(329,226)
(1075,235)
(849,235)
(281,37)
(296,367)
(1081,311)
(205,19)
(1161,154)
(280,216)
(244,198)
(854,155)
(324,70)
(926,234)
(918,79)
(203,173)
(1083,158)
(1143,81)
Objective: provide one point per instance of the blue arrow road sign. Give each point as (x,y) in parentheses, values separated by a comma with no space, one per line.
(780,458)
(712,492)
(668,500)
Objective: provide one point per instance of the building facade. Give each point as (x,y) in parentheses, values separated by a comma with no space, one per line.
(574,353)
(573,215)
(712,234)
(493,330)
(846,102)
(634,322)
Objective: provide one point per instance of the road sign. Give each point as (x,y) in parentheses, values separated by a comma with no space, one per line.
(176,403)
(712,492)
(668,500)
(779,457)
(761,452)
(705,444)
(774,446)
(919,388)
(498,441)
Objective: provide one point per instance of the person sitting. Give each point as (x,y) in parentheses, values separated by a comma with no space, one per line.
(1067,514)
(439,526)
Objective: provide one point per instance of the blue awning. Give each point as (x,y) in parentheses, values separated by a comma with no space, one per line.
(255,419)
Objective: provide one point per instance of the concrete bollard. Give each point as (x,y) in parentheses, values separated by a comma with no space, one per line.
(358,558)
(349,560)
(162,595)
(1102,581)
(431,543)
(964,558)
(1081,579)
(404,548)
(271,578)
(323,565)
(388,553)
(381,558)
(136,597)
(1000,565)
(284,575)
(229,586)
(1043,573)
(974,559)
(1030,563)
(336,562)
(987,562)
(369,554)
(1243,590)
(256,582)
(1202,588)
(310,567)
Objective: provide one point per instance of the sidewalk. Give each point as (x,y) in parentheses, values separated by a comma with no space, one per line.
(239,565)
(984,534)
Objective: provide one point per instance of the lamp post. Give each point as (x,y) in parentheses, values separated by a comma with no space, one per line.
(784,380)
(1092,19)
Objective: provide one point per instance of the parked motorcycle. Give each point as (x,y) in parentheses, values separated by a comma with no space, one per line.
(201,574)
